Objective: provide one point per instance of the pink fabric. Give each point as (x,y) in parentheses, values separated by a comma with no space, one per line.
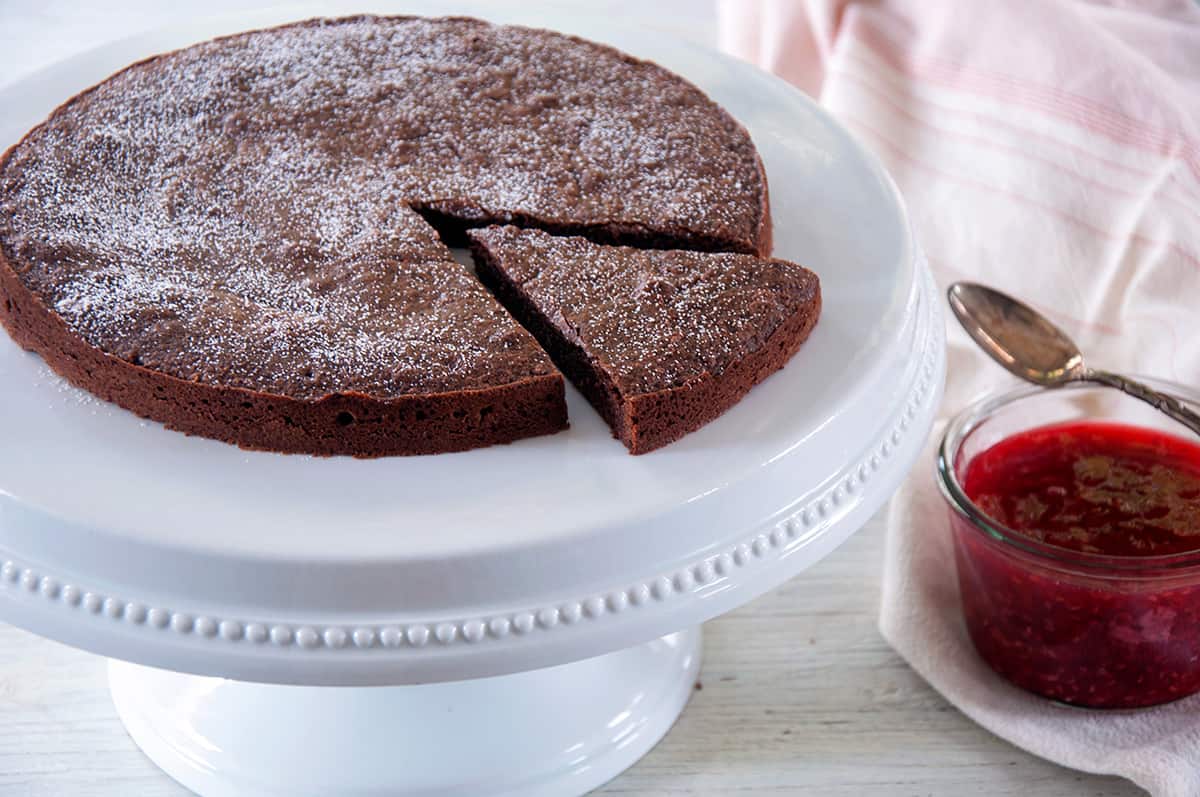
(1051,149)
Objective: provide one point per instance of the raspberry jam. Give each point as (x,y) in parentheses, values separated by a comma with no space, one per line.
(1085,588)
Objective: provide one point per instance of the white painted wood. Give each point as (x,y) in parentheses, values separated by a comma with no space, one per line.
(800,694)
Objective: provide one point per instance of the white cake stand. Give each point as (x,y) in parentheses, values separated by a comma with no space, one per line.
(528,615)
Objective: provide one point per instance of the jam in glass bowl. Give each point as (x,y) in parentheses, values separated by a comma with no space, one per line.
(1076,521)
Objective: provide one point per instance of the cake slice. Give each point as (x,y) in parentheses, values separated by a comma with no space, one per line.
(660,341)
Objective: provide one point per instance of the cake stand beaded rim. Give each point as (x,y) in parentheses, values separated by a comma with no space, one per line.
(409,637)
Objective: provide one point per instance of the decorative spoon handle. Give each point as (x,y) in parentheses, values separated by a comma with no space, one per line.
(1159,401)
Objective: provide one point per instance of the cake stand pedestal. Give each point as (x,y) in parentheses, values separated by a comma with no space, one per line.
(521,619)
(560,730)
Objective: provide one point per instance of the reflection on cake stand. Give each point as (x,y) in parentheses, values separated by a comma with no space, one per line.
(521,619)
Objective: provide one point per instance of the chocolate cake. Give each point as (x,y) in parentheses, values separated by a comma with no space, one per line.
(660,341)
(235,239)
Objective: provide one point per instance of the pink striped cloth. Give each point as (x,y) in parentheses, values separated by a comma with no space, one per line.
(1051,149)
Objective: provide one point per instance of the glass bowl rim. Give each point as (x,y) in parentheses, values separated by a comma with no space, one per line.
(960,426)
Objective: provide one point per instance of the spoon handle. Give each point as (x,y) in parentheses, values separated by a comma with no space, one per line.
(1159,401)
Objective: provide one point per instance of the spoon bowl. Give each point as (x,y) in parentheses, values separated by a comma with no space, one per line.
(1028,346)
(1015,335)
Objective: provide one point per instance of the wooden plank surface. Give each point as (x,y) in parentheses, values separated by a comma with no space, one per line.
(799,694)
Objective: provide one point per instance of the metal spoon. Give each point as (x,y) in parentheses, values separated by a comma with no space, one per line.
(1029,346)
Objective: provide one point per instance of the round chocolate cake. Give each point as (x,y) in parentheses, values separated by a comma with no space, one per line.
(246,239)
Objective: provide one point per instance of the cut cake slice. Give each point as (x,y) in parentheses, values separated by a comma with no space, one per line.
(659,341)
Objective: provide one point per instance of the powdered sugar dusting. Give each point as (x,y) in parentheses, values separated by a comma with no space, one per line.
(238,213)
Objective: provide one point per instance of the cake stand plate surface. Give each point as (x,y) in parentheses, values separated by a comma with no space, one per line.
(528,614)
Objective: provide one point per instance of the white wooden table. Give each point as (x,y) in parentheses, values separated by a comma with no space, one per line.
(799,692)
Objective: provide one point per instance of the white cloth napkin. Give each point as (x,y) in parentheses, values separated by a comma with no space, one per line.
(1051,149)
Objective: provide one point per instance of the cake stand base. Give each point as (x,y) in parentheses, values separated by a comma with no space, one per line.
(562,730)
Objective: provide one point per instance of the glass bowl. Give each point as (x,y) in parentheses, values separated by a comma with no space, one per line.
(1076,627)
